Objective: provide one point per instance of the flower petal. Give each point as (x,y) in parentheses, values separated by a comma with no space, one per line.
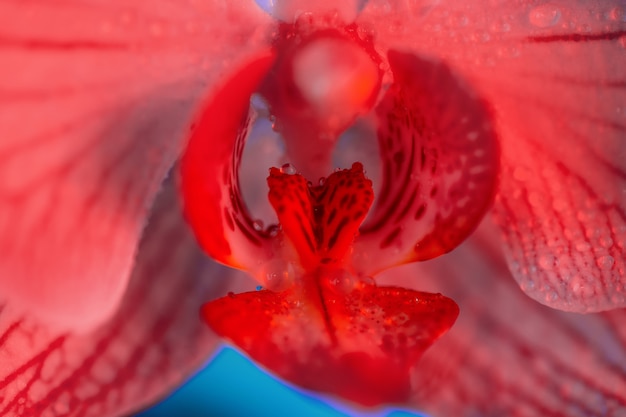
(358,345)
(151,344)
(555,75)
(213,202)
(95,98)
(439,160)
(509,355)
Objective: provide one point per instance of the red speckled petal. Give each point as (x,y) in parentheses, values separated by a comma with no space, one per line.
(439,162)
(290,197)
(359,346)
(209,169)
(321,221)
(562,204)
(95,99)
(153,342)
(555,75)
(508,355)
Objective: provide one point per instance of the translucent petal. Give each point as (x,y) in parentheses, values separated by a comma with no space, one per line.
(439,158)
(555,75)
(210,187)
(149,346)
(507,354)
(95,97)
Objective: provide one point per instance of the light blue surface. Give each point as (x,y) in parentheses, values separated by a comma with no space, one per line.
(232,386)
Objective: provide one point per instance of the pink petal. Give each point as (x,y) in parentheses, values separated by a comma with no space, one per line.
(508,355)
(154,340)
(555,76)
(95,98)
(439,158)
(210,186)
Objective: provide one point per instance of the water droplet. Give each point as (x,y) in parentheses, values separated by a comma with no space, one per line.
(544,16)
(231,294)
(322,180)
(617,299)
(273,230)
(527,285)
(547,261)
(259,287)
(605,241)
(278,274)
(472,136)
(605,262)
(583,246)
(551,296)
(340,281)
(288,169)
(622,41)
(258,225)
(617,14)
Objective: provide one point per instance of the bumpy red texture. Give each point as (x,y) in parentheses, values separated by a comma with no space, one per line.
(359,346)
(330,331)
(321,221)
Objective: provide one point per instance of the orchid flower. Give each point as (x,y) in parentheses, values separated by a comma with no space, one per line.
(102,279)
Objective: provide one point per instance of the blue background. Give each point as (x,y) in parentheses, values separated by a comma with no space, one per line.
(232,386)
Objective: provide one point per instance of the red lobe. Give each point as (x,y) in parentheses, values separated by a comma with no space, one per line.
(359,345)
(331,331)
(321,221)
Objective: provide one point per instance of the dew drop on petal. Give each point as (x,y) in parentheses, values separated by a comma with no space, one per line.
(277,274)
(288,10)
(258,225)
(606,242)
(288,169)
(273,230)
(617,14)
(544,16)
(582,246)
(547,261)
(605,262)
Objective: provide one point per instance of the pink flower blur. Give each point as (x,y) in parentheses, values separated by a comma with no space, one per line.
(101,280)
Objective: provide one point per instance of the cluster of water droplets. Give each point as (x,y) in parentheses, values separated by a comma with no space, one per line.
(290,10)
(342,281)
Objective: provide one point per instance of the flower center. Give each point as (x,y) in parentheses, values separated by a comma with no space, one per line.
(336,79)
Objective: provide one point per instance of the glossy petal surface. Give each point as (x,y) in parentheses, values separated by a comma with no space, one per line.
(439,158)
(95,98)
(554,75)
(360,346)
(509,355)
(213,202)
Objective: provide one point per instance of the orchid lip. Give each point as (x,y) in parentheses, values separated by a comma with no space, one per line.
(439,158)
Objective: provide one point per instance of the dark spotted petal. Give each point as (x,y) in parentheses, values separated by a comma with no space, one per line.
(439,160)
(555,74)
(321,221)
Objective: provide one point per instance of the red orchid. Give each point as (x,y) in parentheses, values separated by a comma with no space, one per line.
(97,101)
